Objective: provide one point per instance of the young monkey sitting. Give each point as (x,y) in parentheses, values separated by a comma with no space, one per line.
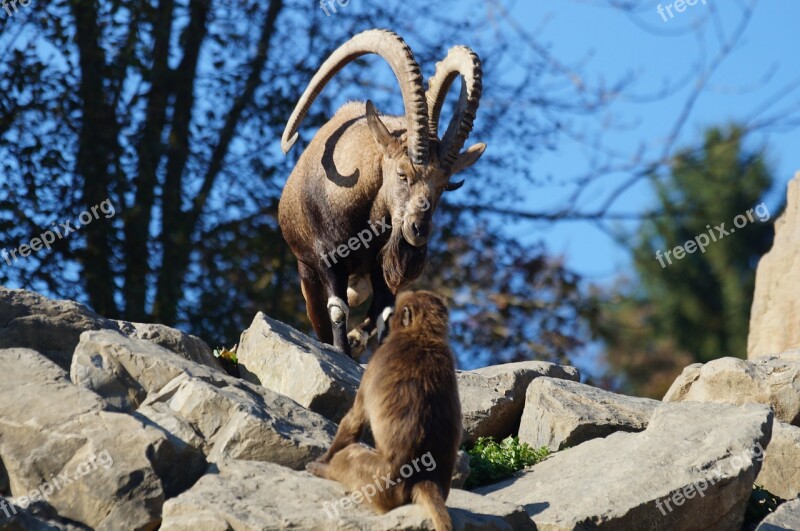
(409,397)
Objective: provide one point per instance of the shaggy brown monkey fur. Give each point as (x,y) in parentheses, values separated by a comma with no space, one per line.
(409,398)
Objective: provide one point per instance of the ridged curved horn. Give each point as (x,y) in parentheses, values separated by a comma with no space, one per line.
(460,61)
(396,52)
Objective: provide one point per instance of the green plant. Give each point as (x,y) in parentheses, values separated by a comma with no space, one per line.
(228,359)
(491,461)
(226,354)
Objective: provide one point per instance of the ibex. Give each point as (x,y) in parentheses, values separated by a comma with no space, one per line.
(357,208)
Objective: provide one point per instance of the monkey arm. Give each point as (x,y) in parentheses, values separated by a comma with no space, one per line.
(350,429)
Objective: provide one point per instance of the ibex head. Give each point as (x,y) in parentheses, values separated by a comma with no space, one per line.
(417,165)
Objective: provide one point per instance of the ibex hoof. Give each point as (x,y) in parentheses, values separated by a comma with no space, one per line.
(358,341)
(338,310)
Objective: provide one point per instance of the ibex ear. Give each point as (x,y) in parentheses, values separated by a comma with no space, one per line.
(379,131)
(469,157)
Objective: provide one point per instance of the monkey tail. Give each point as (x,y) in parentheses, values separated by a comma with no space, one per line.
(427,494)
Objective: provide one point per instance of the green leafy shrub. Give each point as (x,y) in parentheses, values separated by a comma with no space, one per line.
(224,353)
(491,461)
(228,359)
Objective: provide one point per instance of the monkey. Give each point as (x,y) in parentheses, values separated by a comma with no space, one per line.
(409,398)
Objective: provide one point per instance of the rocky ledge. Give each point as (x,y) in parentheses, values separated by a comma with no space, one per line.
(114,425)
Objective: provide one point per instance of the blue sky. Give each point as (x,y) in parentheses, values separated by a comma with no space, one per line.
(766,60)
(607,44)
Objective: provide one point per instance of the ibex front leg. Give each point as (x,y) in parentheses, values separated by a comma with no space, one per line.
(335,283)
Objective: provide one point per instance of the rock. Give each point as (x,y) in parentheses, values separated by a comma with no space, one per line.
(103,469)
(315,376)
(692,468)
(780,473)
(785,518)
(51,327)
(239,495)
(774,326)
(186,346)
(766,380)
(232,418)
(461,470)
(162,415)
(15,518)
(492,398)
(789,355)
(179,462)
(563,413)
(4,487)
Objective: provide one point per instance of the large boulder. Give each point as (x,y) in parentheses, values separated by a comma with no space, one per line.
(492,398)
(15,518)
(244,495)
(461,470)
(185,345)
(63,450)
(50,327)
(775,313)
(163,416)
(316,376)
(563,413)
(785,518)
(223,416)
(780,473)
(53,328)
(766,380)
(692,468)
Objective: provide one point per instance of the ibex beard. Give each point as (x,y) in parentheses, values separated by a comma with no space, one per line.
(401,261)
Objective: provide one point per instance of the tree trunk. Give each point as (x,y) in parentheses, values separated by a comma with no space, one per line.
(139,216)
(97,140)
(177,242)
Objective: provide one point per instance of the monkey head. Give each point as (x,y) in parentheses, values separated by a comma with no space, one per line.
(420,311)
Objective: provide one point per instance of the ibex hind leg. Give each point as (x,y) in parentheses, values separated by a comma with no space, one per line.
(316,302)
